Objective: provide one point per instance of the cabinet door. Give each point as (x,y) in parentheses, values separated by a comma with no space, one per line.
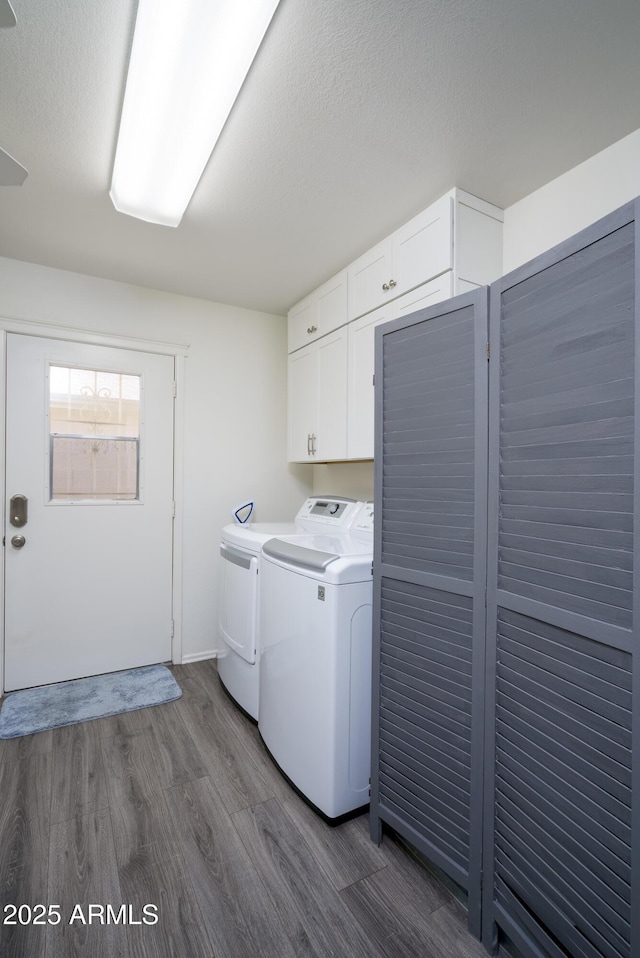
(367,276)
(425,295)
(331,432)
(332,303)
(302,402)
(303,326)
(319,313)
(423,247)
(361,392)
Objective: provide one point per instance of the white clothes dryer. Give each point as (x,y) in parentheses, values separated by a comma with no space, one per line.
(239,626)
(315,672)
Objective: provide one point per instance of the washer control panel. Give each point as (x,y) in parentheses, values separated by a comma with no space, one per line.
(330,511)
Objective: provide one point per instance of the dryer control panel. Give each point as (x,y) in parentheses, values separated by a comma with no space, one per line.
(331,511)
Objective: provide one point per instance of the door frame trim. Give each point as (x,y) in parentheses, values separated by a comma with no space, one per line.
(25,327)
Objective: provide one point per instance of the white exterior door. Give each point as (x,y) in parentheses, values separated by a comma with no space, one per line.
(89,445)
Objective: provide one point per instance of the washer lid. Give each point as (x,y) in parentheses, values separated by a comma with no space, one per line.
(334,559)
(296,555)
(342,546)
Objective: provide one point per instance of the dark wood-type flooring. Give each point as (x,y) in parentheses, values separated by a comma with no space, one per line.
(180,806)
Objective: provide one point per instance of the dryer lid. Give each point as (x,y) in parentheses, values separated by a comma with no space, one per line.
(252,536)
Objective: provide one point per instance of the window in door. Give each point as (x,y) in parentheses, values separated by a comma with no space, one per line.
(94,434)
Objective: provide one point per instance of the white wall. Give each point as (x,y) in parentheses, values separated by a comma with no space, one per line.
(235,407)
(572,201)
(353,480)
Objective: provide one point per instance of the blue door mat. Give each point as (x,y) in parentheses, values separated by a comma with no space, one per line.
(67,703)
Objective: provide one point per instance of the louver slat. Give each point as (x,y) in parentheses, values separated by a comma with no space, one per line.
(583,844)
(583,424)
(443,425)
(432,722)
(565,880)
(404,741)
(562,422)
(429,581)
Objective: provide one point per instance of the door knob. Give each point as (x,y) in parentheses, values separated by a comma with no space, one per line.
(18,541)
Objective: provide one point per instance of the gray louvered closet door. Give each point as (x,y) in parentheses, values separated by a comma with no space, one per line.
(429,582)
(561,873)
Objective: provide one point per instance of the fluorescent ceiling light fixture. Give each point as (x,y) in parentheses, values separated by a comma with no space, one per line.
(7,16)
(189,59)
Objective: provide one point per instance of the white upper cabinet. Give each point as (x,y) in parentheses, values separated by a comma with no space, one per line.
(368,279)
(414,254)
(425,295)
(332,303)
(319,313)
(331,440)
(303,322)
(302,398)
(423,247)
(453,246)
(317,400)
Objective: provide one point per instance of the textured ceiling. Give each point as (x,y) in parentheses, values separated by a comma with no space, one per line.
(356,115)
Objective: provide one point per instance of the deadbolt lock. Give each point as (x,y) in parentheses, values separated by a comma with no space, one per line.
(18,510)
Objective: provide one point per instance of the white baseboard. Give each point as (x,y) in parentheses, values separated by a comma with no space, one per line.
(199,656)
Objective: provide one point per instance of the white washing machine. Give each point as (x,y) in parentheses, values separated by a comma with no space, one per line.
(239,625)
(315,670)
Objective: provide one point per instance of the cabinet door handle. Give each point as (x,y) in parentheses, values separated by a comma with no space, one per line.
(308,443)
(385,287)
(392,283)
(312,329)
(313,444)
